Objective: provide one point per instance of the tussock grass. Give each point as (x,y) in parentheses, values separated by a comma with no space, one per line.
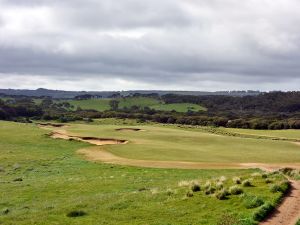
(237,180)
(246,183)
(235,190)
(252,201)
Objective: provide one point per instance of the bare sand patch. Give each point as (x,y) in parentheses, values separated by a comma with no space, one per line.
(129,129)
(297,143)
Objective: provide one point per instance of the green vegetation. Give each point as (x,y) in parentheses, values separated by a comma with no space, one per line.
(292,134)
(137,101)
(179,107)
(96,104)
(158,142)
(43,181)
(129,102)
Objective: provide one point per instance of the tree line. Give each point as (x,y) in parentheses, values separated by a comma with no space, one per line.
(277,110)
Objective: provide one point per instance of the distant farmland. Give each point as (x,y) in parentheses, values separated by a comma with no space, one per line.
(103,104)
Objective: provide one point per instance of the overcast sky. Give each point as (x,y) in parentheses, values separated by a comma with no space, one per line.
(150,44)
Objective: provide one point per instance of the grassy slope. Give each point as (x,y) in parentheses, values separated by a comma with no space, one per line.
(294,134)
(103,104)
(179,107)
(170,143)
(56,181)
(97,104)
(139,101)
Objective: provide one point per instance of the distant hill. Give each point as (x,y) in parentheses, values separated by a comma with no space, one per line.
(107,94)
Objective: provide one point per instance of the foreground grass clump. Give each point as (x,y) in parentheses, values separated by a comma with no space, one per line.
(263,211)
(57,181)
(252,201)
(281,187)
(222,194)
(235,190)
(246,183)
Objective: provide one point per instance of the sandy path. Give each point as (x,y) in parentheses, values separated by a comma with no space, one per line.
(288,212)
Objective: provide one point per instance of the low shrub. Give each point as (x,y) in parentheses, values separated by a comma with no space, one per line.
(219,185)
(268,181)
(222,194)
(76,213)
(187,183)
(256,174)
(235,190)
(264,175)
(207,185)
(195,188)
(246,183)
(5,211)
(210,190)
(228,219)
(262,212)
(222,179)
(170,192)
(252,201)
(281,187)
(189,194)
(237,180)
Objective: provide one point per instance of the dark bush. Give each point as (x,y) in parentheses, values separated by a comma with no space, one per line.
(195,187)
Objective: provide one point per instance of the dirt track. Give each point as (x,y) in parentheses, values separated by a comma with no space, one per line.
(288,212)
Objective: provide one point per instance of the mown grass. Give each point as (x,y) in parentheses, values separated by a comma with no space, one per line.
(60,187)
(159,142)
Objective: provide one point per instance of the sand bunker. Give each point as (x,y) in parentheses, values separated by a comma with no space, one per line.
(91,140)
(129,129)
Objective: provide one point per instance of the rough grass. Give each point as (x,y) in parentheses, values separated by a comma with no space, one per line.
(56,181)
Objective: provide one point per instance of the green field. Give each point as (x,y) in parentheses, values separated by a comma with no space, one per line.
(42,180)
(179,107)
(96,104)
(103,104)
(159,142)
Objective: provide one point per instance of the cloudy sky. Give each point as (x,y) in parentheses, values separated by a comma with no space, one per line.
(150,44)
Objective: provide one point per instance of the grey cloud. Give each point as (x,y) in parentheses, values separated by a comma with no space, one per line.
(172,43)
